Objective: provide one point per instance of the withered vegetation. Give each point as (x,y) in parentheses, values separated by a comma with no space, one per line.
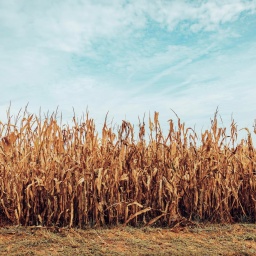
(69,175)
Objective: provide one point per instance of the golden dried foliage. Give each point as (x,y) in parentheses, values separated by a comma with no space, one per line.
(52,174)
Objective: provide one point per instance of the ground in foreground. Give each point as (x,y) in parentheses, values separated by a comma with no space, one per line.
(237,239)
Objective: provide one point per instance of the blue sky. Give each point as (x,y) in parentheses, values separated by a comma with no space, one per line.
(130,58)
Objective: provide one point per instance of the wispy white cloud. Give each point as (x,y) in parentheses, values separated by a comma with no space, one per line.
(72,25)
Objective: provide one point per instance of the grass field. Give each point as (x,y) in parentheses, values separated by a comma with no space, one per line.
(237,239)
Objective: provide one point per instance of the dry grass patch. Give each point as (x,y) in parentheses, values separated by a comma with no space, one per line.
(205,240)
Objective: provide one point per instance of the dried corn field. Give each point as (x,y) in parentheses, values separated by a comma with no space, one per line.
(69,175)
